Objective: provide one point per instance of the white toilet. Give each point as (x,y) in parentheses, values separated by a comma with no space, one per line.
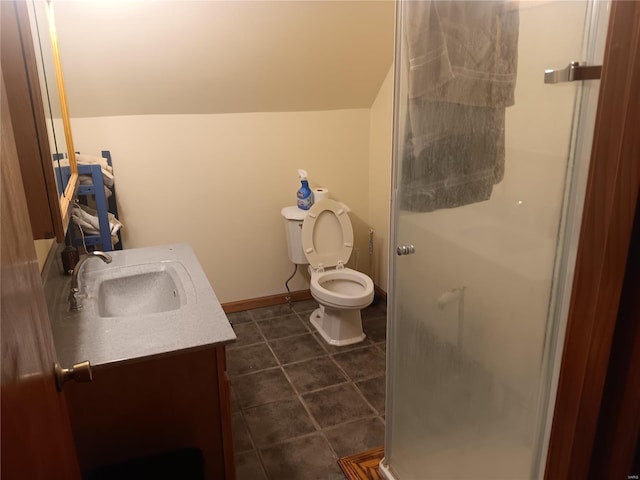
(326,238)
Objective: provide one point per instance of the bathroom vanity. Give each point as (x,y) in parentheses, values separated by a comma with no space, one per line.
(155,335)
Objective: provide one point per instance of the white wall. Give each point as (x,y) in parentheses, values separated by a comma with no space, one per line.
(205,57)
(219,181)
(191,164)
(380,135)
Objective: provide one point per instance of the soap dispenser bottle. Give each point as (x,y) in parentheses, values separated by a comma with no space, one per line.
(305,195)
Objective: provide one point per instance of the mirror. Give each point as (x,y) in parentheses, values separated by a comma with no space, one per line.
(48,83)
(43,31)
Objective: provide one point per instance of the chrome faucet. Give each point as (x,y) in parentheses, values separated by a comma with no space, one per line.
(74,304)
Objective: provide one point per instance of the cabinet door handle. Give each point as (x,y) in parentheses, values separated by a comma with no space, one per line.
(80,372)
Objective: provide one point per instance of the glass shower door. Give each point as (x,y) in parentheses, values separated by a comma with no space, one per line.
(489,173)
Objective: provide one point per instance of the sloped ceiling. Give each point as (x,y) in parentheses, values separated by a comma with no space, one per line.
(190,57)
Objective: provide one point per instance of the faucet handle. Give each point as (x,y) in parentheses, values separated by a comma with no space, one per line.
(74,305)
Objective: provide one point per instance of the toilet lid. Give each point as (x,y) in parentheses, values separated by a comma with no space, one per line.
(327,235)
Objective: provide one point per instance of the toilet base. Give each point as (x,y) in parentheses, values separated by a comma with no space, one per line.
(338,327)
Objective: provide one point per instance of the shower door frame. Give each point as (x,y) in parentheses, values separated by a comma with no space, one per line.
(602,258)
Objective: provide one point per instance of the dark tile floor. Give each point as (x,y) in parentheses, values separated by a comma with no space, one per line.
(298,403)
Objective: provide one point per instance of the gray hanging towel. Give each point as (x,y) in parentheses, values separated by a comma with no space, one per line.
(462,75)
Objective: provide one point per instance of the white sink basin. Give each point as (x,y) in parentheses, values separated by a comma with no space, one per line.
(141,293)
(136,290)
(147,301)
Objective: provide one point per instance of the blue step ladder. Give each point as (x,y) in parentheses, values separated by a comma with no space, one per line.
(95,189)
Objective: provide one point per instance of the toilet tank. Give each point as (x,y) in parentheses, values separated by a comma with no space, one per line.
(293,218)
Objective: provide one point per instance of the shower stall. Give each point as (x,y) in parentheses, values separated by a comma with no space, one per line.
(490,162)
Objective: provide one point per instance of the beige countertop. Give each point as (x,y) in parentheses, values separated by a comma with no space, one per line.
(86,335)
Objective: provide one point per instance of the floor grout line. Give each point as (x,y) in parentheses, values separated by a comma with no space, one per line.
(316,424)
(249,433)
(254,445)
(313,421)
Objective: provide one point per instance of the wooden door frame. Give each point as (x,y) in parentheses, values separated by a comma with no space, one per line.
(602,259)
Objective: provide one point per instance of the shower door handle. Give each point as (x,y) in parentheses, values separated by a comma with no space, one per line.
(572,73)
(405,250)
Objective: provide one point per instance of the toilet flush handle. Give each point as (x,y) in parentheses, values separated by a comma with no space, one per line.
(405,250)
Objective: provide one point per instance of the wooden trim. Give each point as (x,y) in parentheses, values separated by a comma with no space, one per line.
(29,124)
(226,429)
(64,109)
(269,301)
(65,201)
(612,191)
(362,466)
(39,119)
(281,298)
(380,293)
(619,423)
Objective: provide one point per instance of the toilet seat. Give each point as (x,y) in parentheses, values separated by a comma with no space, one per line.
(327,235)
(342,288)
(327,241)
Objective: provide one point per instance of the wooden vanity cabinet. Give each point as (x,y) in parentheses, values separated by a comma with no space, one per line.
(152,406)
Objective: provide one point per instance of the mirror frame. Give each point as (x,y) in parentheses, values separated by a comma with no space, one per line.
(28,120)
(49,211)
(65,198)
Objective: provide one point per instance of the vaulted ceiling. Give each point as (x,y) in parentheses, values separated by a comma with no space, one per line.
(191,57)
